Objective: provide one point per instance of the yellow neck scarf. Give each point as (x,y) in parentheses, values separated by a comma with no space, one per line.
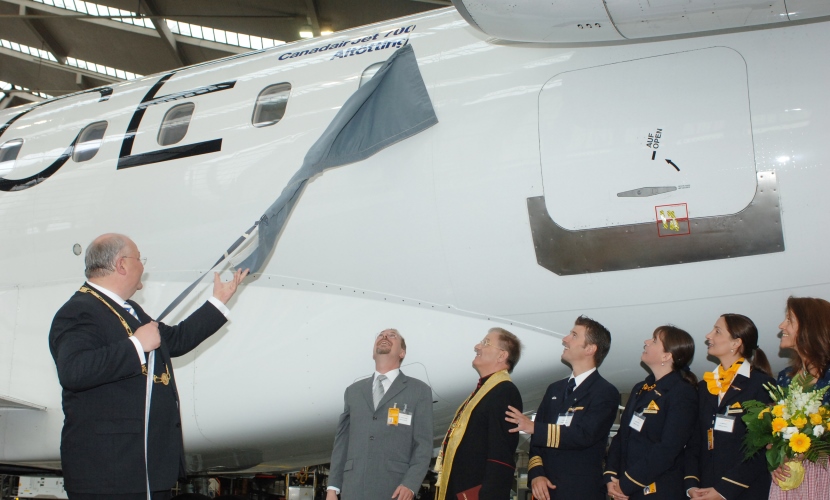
(443,465)
(719,380)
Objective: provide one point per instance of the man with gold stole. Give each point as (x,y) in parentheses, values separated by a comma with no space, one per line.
(477,456)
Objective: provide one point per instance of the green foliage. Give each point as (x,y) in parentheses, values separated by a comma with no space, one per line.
(758,430)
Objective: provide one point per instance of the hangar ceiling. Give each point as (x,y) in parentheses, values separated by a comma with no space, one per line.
(55,47)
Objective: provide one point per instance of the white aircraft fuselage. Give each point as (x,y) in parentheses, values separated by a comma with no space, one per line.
(519,209)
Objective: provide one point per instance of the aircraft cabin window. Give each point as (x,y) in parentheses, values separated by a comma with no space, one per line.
(368,73)
(175,123)
(89,142)
(270,105)
(8,154)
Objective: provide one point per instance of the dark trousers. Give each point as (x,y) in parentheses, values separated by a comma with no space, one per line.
(157,495)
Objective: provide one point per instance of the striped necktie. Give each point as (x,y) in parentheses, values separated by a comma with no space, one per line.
(131,310)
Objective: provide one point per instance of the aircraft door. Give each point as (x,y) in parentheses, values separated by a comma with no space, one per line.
(645,161)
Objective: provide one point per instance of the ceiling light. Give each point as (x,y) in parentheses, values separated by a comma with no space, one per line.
(305,32)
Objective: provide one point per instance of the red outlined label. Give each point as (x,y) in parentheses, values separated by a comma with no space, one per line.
(672,220)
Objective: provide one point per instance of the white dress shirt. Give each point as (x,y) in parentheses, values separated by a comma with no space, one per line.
(582,376)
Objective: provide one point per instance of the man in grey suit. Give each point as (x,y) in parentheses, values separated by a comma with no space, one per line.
(383,444)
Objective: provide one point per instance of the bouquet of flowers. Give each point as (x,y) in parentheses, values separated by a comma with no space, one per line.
(792,429)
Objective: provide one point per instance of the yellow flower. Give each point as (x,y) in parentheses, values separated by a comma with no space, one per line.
(815,418)
(799,442)
(822,410)
(778,425)
(778,410)
(761,415)
(799,422)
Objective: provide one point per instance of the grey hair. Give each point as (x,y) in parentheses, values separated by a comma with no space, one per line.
(101,255)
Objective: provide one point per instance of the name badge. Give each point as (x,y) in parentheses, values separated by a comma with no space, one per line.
(393,416)
(405,417)
(724,423)
(637,421)
(565,419)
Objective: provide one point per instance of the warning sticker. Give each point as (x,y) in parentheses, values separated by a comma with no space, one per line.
(672,220)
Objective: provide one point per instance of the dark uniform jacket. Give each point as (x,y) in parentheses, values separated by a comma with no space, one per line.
(102,443)
(486,453)
(654,455)
(723,467)
(571,457)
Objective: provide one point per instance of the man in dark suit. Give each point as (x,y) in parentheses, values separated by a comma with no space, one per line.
(383,444)
(112,359)
(477,456)
(573,421)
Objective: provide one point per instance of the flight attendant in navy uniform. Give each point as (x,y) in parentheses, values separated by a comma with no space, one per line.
(572,424)
(646,457)
(715,465)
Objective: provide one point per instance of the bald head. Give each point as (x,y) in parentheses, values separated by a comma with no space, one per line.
(114,262)
(102,254)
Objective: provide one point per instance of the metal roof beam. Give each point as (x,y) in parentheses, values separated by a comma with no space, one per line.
(312,17)
(109,23)
(164,32)
(45,36)
(62,67)
(4,103)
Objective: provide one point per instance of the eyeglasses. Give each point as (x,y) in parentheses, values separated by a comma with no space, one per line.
(143,260)
(486,342)
(390,335)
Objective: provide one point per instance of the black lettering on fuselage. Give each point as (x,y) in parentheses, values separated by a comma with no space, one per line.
(34,180)
(126,159)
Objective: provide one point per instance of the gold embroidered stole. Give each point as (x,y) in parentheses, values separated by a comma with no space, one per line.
(443,465)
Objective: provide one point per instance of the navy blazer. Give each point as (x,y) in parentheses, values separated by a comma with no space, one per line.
(102,442)
(654,455)
(724,467)
(571,457)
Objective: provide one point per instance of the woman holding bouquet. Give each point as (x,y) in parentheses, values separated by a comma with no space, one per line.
(715,466)
(646,455)
(806,331)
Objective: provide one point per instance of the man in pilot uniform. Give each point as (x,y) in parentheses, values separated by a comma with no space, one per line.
(573,421)
(112,359)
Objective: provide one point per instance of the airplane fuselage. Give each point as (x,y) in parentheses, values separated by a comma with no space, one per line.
(512,211)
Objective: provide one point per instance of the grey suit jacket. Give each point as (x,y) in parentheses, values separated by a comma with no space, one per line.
(370,458)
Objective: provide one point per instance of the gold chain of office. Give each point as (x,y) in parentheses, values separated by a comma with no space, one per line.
(164,378)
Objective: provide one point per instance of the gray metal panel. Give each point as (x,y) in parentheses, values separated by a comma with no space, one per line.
(10,402)
(755,230)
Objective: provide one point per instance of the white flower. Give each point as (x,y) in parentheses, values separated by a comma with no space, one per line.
(789,432)
(818,430)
